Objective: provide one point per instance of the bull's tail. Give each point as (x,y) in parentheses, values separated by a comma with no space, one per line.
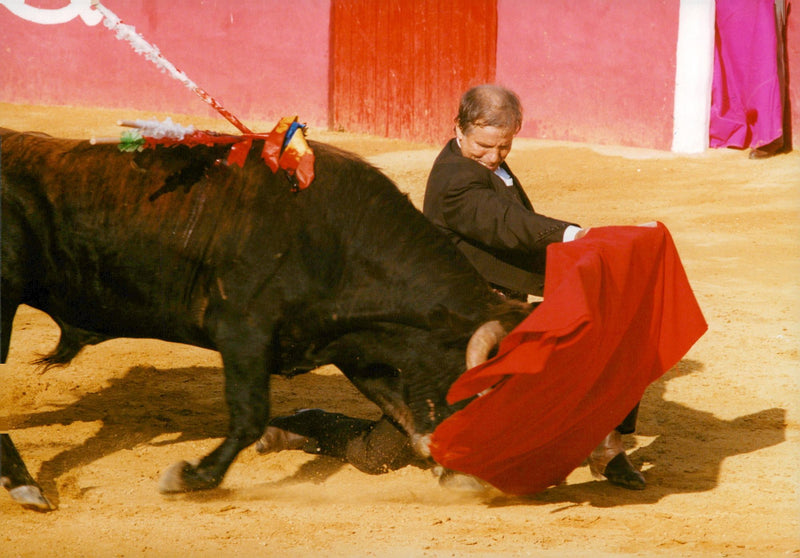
(72,341)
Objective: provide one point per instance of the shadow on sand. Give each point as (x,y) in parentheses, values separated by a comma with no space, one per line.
(158,407)
(186,404)
(676,430)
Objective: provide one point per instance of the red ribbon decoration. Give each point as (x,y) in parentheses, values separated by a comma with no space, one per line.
(297,158)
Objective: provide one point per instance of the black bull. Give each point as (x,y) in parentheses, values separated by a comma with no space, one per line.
(173,244)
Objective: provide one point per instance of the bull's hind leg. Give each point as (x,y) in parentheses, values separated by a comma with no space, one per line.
(15,477)
(247,395)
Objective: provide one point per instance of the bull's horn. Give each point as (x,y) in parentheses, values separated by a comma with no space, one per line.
(485,338)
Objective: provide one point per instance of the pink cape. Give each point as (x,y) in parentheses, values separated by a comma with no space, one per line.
(618,312)
(746,107)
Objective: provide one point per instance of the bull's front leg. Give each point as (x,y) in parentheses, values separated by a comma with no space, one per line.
(247,395)
(15,477)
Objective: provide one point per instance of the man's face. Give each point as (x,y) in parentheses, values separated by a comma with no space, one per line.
(488,145)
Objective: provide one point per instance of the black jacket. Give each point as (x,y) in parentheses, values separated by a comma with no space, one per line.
(494,225)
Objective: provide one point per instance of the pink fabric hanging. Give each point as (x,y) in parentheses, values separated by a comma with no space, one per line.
(746,108)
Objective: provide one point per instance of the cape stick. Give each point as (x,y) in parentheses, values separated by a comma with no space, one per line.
(151,52)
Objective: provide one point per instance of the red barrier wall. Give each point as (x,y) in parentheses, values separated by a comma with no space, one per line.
(261,60)
(596,71)
(392,75)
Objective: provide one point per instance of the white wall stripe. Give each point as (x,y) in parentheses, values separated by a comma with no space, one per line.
(693,75)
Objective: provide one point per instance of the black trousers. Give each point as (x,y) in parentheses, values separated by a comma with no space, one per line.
(628,424)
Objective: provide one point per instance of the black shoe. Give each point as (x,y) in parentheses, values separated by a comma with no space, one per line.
(621,472)
(766,151)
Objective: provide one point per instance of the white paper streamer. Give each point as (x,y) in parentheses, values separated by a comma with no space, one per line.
(151,52)
(159,130)
(128,33)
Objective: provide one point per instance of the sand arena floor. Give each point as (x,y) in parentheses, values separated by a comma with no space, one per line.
(718,439)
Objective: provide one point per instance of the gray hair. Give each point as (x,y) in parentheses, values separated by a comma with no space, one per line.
(489,105)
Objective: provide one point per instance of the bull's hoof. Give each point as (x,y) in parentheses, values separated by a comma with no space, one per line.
(31,497)
(621,472)
(276,439)
(461,482)
(184,476)
(609,460)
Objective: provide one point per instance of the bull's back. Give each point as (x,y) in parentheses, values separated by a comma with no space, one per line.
(98,234)
(388,243)
(123,243)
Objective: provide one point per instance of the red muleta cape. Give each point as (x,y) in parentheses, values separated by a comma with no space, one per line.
(617,313)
